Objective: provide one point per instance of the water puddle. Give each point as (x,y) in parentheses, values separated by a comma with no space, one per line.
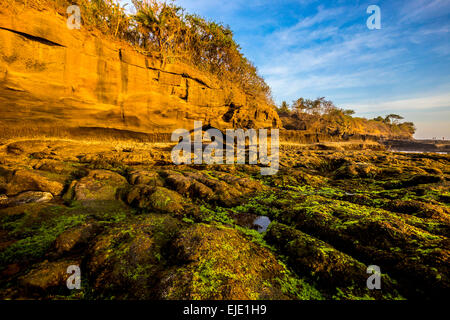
(252,221)
(261,223)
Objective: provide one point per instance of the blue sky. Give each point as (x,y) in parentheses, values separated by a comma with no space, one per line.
(312,48)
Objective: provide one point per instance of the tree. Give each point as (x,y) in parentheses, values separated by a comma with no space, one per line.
(408,126)
(166,29)
(316,106)
(160,25)
(379,118)
(299,105)
(394,118)
(349,112)
(284,108)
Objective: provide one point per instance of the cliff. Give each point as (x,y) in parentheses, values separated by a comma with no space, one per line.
(337,126)
(51,76)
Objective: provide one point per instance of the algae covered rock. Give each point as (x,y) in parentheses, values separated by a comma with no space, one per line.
(126,261)
(74,239)
(47,277)
(53,166)
(356,170)
(222,192)
(420,209)
(178,182)
(154,198)
(220,263)
(415,180)
(29,180)
(212,186)
(338,272)
(159,231)
(97,185)
(151,178)
(411,255)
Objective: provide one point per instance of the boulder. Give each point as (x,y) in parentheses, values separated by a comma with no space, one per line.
(151,178)
(47,276)
(29,180)
(74,238)
(154,198)
(125,262)
(333,268)
(97,185)
(31,196)
(220,263)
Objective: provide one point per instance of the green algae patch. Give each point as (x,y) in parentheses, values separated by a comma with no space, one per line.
(33,228)
(33,238)
(223,264)
(130,258)
(336,272)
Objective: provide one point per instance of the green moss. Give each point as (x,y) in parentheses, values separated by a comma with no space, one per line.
(36,244)
(300,289)
(35,231)
(217,214)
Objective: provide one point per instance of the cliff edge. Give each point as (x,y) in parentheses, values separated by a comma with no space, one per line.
(51,76)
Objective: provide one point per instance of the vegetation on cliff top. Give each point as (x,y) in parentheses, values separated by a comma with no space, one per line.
(322,116)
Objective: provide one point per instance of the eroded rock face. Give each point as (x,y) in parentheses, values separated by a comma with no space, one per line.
(70,78)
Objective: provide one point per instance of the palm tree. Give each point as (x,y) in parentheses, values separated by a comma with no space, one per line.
(160,25)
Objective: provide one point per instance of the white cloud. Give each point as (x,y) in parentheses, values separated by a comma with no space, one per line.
(418,10)
(424,103)
(321,16)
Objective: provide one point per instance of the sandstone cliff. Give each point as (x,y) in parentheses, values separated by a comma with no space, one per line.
(51,76)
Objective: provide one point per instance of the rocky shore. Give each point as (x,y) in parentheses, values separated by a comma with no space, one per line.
(442,146)
(141,228)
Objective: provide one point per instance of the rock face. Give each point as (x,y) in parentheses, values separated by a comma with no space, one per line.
(53,77)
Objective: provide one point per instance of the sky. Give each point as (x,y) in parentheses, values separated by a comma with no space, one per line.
(313,48)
